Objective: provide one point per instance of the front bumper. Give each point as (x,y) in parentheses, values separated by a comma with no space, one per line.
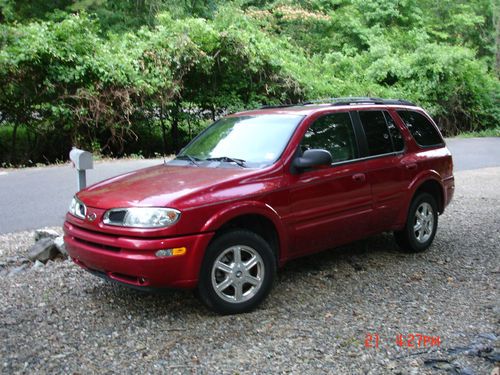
(132,261)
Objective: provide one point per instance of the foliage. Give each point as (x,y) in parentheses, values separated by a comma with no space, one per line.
(494,132)
(143,77)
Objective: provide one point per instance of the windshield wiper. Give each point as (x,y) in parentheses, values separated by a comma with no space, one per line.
(228,159)
(192,159)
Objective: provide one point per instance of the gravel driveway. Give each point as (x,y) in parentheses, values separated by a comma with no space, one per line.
(59,319)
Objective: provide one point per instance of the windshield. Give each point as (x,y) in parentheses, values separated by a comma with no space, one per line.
(246,141)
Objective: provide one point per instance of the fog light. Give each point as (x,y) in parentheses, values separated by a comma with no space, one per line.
(171,252)
(164,253)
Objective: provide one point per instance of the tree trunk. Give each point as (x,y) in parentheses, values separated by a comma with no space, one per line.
(163,128)
(175,126)
(496,20)
(13,151)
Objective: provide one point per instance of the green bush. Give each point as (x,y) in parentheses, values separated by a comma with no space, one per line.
(125,78)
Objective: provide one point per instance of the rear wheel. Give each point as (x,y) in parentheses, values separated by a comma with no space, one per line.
(237,272)
(421,224)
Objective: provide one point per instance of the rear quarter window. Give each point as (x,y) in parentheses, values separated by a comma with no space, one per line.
(421,128)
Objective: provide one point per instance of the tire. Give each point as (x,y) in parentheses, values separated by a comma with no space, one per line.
(237,272)
(421,225)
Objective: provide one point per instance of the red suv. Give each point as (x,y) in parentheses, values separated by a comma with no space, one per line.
(261,187)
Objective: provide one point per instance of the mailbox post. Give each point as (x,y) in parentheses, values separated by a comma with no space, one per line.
(82,160)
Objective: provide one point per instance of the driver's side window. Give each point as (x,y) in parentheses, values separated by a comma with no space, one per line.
(334,133)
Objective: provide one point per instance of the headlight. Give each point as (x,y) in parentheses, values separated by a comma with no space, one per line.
(77,208)
(141,217)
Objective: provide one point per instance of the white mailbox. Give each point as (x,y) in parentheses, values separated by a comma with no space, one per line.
(82,160)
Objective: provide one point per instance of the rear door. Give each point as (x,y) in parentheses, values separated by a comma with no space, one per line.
(329,205)
(387,167)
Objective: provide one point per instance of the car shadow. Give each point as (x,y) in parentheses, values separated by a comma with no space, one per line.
(355,257)
(353,254)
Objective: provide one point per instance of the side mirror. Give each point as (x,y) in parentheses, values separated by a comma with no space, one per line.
(313,158)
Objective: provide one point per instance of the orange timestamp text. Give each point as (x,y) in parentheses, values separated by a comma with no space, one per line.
(410,341)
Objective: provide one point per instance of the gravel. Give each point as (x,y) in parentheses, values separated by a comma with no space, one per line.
(56,318)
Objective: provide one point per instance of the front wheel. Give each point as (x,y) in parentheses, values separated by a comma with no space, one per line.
(421,225)
(237,272)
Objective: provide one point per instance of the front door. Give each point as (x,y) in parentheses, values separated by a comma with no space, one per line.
(329,205)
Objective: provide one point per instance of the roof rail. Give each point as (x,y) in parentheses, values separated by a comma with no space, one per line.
(349,100)
(278,106)
(360,100)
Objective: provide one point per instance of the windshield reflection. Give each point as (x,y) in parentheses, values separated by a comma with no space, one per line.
(244,141)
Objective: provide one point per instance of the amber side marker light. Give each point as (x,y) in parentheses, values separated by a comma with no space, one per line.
(171,252)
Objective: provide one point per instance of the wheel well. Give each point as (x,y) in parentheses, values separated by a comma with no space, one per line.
(258,224)
(433,188)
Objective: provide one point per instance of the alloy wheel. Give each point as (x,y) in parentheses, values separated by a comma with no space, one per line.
(237,274)
(423,226)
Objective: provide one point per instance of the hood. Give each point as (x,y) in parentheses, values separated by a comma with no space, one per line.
(158,186)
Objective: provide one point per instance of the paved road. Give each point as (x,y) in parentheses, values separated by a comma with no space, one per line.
(474,153)
(37,197)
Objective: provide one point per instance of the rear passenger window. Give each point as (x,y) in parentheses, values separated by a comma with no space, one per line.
(334,133)
(396,136)
(377,132)
(421,128)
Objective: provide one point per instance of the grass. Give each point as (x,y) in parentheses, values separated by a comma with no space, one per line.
(495,132)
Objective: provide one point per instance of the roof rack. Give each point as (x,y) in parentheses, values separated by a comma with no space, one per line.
(279,105)
(360,100)
(350,100)
(369,100)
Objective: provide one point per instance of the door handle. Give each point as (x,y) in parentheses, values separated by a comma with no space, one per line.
(411,166)
(359,177)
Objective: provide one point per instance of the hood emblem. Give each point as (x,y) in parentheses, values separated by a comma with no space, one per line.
(91,217)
